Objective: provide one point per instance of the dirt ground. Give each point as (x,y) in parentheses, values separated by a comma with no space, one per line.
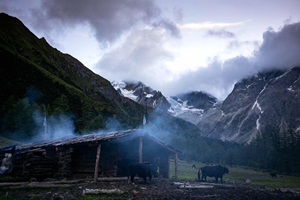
(157,189)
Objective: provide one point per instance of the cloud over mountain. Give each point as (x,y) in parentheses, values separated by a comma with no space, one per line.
(220,33)
(279,50)
(140,57)
(108,19)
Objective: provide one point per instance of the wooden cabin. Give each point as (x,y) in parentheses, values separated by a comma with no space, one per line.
(93,156)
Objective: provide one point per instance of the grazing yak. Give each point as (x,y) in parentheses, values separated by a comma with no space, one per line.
(141,169)
(213,171)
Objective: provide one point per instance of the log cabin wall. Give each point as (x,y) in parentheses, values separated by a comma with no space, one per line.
(36,163)
(114,159)
(83,161)
(64,159)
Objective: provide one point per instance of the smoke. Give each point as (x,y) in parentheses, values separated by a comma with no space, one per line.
(51,127)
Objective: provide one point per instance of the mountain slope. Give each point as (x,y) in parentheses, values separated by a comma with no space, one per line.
(192,106)
(28,62)
(37,78)
(267,99)
(142,94)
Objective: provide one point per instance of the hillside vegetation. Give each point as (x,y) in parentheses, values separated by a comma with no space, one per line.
(36,78)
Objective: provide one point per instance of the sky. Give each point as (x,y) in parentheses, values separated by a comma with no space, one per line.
(173,46)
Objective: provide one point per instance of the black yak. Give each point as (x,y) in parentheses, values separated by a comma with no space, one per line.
(213,171)
(141,169)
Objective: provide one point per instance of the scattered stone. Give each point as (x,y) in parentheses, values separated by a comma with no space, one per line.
(103,191)
(289,190)
(33,180)
(178,183)
(248,181)
(196,186)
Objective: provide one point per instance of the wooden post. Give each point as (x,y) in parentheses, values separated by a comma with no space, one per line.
(176,166)
(141,150)
(97,163)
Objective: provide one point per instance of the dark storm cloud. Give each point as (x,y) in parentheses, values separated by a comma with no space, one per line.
(221,33)
(279,50)
(109,19)
(168,25)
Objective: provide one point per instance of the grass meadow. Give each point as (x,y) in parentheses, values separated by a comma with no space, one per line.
(237,175)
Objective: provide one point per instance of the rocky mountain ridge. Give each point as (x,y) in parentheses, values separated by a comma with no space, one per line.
(266,99)
(142,94)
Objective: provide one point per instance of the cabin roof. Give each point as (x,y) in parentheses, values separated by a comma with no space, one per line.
(94,138)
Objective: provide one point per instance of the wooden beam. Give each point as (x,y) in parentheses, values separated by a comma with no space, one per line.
(176,166)
(97,163)
(141,150)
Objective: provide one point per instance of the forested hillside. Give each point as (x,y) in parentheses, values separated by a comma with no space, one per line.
(36,78)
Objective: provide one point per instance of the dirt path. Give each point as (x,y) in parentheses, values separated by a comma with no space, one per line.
(157,189)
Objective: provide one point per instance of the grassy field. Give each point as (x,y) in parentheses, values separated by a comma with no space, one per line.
(237,175)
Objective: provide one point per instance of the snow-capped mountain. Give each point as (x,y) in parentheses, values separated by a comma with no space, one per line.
(266,99)
(142,94)
(191,106)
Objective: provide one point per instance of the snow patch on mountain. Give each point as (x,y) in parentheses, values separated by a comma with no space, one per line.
(258,106)
(126,93)
(148,95)
(181,110)
(142,94)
